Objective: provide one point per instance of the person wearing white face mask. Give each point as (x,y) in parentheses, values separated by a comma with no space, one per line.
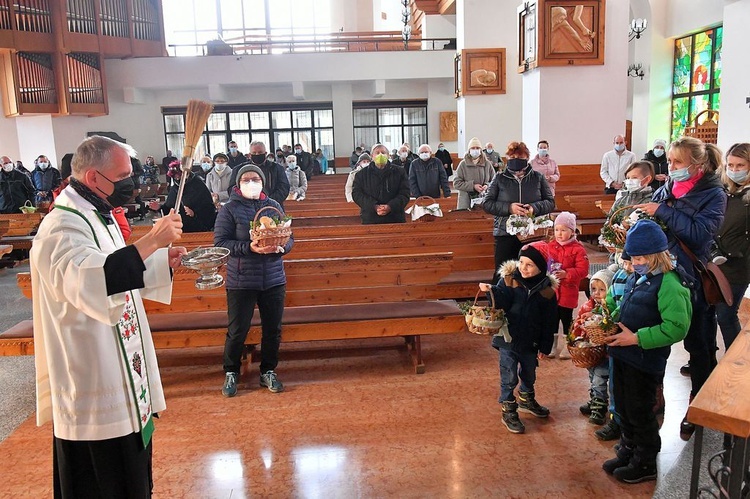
(658,157)
(427,176)
(636,187)
(403,159)
(218,180)
(493,156)
(45,179)
(297,179)
(473,175)
(15,187)
(545,165)
(255,275)
(614,164)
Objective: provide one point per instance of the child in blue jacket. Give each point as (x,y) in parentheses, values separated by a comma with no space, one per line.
(527,295)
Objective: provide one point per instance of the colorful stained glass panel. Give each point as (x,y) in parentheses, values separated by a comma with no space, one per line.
(701,79)
(682,66)
(718,40)
(697,104)
(679,116)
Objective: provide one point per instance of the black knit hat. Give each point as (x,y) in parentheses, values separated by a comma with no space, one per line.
(535,256)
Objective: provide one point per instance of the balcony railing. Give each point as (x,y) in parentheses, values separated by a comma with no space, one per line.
(335,42)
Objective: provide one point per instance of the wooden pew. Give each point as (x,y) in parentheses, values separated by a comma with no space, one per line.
(579,179)
(21,228)
(327,299)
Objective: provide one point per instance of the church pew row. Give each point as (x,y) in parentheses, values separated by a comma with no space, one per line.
(20,229)
(327,299)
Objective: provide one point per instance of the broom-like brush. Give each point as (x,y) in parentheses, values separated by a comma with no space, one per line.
(195,122)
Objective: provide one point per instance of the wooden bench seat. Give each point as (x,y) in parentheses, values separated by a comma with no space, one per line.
(327,299)
(21,224)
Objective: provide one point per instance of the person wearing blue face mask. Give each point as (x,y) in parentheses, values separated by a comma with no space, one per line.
(732,238)
(653,314)
(691,205)
(236,157)
(494,156)
(45,179)
(658,157)
(614,164)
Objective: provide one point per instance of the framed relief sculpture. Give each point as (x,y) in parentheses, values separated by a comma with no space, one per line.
(527,36)
(482,71)
(571,32)
(448,126)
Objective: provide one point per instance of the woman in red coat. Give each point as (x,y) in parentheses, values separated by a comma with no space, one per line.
(569,263)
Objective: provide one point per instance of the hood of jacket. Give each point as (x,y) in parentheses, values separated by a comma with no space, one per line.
(508,270)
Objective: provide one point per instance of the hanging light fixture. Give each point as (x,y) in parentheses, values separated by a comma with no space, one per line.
(406,19)
(637,26)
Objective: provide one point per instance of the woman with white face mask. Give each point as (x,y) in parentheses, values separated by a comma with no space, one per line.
(473,175)
(297,179)
(255,275)
(545,165)
(219,178)
(658,157)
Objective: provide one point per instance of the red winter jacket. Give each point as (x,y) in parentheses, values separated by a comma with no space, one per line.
(575,262)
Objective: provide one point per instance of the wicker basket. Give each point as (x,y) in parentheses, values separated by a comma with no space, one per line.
(708,131)
(620,231)
(28,207)
(484,320)
(423,202)
(269,236)
(596,334)
(586,356)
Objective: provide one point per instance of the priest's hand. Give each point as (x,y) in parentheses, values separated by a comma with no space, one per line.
(175,256)
(166,230)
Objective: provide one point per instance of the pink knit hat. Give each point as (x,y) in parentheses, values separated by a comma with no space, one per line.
(566,219)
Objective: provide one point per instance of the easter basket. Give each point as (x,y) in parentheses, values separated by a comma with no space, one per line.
(529,229)
(424,209)
(601,326)
(28,207)
(277,232)
(484,320)
(584,354)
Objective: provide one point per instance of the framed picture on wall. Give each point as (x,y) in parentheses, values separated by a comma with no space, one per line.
(527,36)
(483,71)
(571,32)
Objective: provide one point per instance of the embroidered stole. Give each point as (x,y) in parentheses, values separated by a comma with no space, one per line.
(128,336)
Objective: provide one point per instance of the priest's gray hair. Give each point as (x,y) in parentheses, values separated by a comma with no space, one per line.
(96,152)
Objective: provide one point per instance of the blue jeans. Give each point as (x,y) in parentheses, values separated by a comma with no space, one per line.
(599,378)
(727,316)
(514,365)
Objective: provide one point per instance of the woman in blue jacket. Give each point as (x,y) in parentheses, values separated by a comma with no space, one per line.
(255,274)
(692,205)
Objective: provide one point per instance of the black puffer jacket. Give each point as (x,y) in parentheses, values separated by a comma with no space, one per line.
(506,189)
(531,311)
(660,167)
(247,269)
(734,237)
(373,186)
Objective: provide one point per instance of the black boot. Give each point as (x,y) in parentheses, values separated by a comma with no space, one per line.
(624,453)
(586,408)
(510,417)
(610,431)
(686,427)
(598,411)
(527,403)
(637,471)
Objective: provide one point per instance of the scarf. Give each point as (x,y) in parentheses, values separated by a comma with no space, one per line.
(679,189)
(566,242)
(101,205)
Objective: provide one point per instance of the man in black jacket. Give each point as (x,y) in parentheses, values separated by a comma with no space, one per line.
(304,160)
(276,185)
(15,187)
(236,157)
(381,190)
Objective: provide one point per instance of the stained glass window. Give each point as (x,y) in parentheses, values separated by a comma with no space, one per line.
(697,77)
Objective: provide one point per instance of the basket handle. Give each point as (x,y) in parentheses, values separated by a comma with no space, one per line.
(425,198)
(492,298)
(267,207)
(618,210)
(710,113)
